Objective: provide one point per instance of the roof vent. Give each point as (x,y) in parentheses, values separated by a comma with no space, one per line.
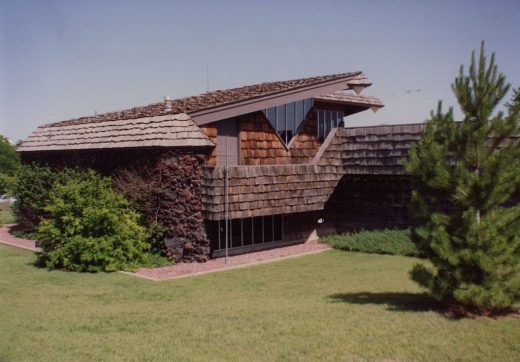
(167,104)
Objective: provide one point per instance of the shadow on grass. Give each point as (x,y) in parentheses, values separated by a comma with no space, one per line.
(403,302)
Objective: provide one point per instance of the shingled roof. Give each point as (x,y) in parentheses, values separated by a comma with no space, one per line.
(213,99)
(345,97)
(177,125)
(161,131)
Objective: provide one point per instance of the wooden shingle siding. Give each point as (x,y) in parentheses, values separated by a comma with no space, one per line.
(259,143)
(281,189)
(211,131)
(379,149)
(305,144)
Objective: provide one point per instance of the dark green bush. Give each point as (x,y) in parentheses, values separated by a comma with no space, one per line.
(32,189)
(387,241)
(89,227)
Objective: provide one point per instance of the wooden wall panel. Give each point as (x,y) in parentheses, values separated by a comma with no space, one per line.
(211,131)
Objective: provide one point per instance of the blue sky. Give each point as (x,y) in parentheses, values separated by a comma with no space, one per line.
(65,59)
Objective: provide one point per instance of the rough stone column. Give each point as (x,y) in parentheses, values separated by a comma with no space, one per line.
(180,209)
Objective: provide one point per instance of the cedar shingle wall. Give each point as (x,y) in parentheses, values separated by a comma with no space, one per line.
(274,189)
(211,131)
(305,144)
(259,143)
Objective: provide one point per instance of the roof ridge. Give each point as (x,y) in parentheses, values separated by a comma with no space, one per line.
(193,103)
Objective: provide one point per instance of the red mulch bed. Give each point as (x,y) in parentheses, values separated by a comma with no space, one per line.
(190,269)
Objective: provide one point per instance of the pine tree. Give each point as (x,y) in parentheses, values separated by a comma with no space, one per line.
(466,183)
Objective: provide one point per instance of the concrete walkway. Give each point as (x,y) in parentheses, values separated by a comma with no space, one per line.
(8,239)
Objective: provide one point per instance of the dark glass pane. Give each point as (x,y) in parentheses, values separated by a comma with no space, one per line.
(291,117)
(236,233)
(340,119)
(222,233)
(334,119)
(321,125)
(212,232)
(257,230)
(268,229)
(271,116)
(299,114)
(278,228)
(327,123)
(247,230)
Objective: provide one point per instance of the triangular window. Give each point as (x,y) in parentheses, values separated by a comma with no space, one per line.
(287,118)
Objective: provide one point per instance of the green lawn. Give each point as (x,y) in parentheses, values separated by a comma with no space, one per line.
(329,306)
(6,215)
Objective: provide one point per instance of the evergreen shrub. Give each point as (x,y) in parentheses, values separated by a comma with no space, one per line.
(465,175)
(89,227)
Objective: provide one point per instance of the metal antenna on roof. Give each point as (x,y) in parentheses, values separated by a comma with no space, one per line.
(207,78)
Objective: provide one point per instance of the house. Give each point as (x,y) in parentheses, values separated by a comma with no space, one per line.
(252,167)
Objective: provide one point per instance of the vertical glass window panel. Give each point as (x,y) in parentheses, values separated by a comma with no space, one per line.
(299,114)
(236,233)
(291,120)
(321,125)
(278,228)
(327,123)
(340,121)
(268,229)
(271,116)
(308,105)
(334,119)
(247,231)
(257,230)
(222,234)
(280,118)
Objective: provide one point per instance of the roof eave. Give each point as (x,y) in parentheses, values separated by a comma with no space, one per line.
(230,110)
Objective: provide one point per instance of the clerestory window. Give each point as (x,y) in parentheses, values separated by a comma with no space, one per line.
(287,118)
(326,121)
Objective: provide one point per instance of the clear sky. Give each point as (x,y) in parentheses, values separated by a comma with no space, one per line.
(65,59)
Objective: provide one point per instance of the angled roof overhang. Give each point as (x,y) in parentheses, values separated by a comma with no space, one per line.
(253,104)
(353,103)
(160,131)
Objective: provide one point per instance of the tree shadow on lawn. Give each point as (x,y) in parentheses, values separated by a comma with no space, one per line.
(402,302)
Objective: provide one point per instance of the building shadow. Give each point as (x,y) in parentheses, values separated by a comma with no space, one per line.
(403,302)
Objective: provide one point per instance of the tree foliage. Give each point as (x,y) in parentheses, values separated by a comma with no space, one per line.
(465,175)
(91,228)
(9,163)
(32,189)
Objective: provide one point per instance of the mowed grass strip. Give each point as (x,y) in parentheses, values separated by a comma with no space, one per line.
(6,214)
(329,306)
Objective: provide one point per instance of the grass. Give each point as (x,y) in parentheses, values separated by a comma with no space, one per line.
(328,306)
(6,214)
(387,241)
